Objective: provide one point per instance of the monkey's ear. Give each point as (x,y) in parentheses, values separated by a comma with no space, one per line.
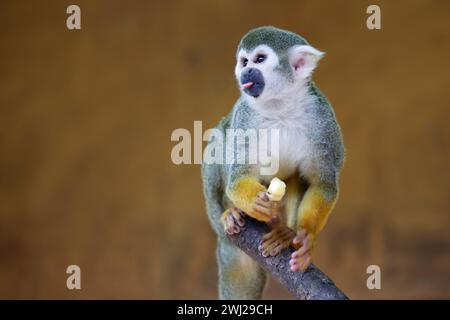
(303,60)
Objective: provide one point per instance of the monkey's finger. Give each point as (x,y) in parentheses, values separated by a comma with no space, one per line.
(305,263)
(267,239)
(276,246)
(270,240)
(236,229)
(263,211)
(267,236)
(276,239)
(269,249)
(287,237)
(230,225)
(224,223)
(242,213)
(300,265)
(301,234)
(294,265)
(308,241)
(275,251)
(293,261)
(275,220)
(273,244)
(300,252)
(299,237)
(264,247)
(267,204)
(229,219)
(259,216)
(263,196)
(262,203)
(238,218)
(229,230)
(266,210)
(233,227)
(287,233)
(272,234)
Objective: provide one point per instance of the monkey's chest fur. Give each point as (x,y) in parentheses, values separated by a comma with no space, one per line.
(295,151)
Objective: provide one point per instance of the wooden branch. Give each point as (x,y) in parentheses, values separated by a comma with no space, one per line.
(311,284)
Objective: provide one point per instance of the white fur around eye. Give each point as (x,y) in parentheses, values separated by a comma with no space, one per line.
(239,66)
(267,65)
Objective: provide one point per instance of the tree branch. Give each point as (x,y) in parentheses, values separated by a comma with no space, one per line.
(311,284)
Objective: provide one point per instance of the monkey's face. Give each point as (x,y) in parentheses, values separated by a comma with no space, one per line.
(256,70)
(265,75)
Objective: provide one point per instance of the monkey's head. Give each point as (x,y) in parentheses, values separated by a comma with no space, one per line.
(272,63)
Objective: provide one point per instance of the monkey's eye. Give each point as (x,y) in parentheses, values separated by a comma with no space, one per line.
(260,58)
(244,62)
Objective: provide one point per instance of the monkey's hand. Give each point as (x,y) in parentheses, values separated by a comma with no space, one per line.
(276,240)
(304,243)
(244,194)
(232,220)
(262,206)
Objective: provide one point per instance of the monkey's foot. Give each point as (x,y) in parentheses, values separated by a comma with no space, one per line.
(232,220)
(301,258)
(276,240)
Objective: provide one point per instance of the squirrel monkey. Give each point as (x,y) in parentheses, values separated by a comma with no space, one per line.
(273,71)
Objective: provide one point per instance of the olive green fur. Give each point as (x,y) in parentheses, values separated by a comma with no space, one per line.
(277,39)
(218,179)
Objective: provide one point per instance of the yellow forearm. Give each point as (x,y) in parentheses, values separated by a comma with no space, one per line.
(314,209)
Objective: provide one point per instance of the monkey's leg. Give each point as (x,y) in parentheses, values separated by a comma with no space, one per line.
(240,277)
(212,180)
(313,212)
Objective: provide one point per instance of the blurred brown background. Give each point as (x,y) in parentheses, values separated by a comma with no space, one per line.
(86,117)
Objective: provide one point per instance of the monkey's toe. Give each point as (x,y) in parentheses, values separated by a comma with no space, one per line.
(301,258)
(275,241)
(233,221)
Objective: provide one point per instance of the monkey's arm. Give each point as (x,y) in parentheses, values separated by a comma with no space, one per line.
(316,206)
(313,213)
(242,182)
(243,189)
(328,153)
